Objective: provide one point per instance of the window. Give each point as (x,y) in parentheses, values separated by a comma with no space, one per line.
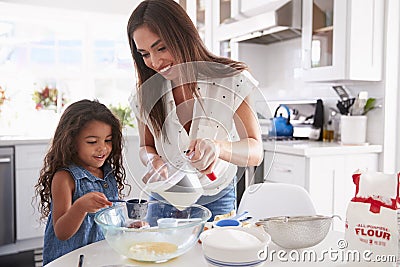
(84,55)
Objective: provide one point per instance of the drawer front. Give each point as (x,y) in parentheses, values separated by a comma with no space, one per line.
(285,168)
(29,156)
(27,216)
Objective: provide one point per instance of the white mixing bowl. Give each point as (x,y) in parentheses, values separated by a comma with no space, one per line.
(234,246)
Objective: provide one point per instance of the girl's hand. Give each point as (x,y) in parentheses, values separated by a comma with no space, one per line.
(203,154)
(92,202)
(157,170)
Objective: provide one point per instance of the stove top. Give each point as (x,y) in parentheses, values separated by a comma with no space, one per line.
(302,116)
(267,138)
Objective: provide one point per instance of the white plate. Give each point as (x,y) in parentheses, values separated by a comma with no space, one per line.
(218,263)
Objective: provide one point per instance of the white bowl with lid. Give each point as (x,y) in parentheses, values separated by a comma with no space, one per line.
(234,246)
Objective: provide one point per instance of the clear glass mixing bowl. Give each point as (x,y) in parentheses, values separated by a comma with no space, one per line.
(152,243)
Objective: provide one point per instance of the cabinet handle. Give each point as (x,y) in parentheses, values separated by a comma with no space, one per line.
(282,169)
(5,160)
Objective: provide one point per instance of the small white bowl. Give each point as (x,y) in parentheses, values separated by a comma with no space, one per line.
(225,246)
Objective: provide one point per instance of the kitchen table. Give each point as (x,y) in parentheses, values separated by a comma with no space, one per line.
(101,254)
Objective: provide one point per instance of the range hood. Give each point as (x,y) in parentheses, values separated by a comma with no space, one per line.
(281,23)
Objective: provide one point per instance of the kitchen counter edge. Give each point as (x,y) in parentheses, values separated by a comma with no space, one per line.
(17,140)
(315,148)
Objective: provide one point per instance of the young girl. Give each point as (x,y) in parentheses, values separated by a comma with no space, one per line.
(191,100)
(82,171)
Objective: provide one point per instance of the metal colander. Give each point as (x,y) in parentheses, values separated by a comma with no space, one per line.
(297,231)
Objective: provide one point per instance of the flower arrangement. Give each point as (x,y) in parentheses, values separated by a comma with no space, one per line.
(3,97)
(124,114)
(47,98)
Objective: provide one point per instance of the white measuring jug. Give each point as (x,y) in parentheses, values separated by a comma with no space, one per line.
(181,188)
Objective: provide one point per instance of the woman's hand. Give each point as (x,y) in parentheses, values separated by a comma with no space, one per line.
(92,202)
(203,154)
(156,170)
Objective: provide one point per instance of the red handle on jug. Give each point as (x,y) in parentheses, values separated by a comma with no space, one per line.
(212,176)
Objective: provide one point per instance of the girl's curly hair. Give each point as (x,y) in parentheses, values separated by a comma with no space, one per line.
(62,152)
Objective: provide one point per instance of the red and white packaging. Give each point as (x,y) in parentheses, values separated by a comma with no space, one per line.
(371,218)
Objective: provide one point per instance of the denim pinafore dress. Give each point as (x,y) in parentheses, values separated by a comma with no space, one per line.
(89,231)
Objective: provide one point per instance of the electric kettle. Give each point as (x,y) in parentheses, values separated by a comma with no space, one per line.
(281,126)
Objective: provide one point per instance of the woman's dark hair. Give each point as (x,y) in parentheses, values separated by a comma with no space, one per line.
(170,22)
(62,152)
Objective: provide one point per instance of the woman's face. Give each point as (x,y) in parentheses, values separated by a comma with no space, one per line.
(154,52)
(94,144)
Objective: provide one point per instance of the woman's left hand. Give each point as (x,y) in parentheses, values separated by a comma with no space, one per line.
(203,154)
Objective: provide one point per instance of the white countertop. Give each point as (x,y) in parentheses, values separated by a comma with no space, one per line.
(12,140)
(293,147)
(317,148)
(101,254)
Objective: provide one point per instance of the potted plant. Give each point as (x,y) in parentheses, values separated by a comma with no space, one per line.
(370,105)
(124,114)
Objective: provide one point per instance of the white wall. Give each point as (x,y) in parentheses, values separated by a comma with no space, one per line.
(392,79)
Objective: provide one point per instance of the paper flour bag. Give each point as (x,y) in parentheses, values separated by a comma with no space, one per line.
(371,218)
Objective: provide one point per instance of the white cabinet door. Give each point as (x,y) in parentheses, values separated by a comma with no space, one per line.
(200,12)
(28,162)
(323,173)
(328,178)
(331,185)
(284,168)
(252,8)
(342,40)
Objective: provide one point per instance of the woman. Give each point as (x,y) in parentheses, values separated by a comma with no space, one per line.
(191,102)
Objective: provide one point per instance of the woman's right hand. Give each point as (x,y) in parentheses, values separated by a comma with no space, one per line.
(157,170)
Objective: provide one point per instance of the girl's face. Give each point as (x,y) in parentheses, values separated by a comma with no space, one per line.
(154,52)
(94,145)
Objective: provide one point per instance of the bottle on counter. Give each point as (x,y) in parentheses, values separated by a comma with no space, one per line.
(328,132)
(334,124)
(331,128)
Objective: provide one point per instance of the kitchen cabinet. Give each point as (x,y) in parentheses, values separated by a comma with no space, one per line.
(342,40)
(200,12)
(285,168)
(28,162)
(330,182)
(323,169)
(221,12)
(245,8)
(7,195)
